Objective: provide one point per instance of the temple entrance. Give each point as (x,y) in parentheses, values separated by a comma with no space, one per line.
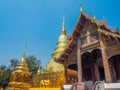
(98,65)
(87,69)
(114,63)
(87,66)
(92,66)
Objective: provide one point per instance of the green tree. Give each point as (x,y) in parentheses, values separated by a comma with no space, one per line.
(13,63)
(6,73)
(3,67)
(33,64)
(5,77)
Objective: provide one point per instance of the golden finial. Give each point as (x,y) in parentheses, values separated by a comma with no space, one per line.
(94,17)
(104,19)
(80,6)
(63,21)
(63,24)
(38,72)
(24,54)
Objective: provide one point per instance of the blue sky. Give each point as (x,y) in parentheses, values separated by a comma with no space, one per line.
(38,23)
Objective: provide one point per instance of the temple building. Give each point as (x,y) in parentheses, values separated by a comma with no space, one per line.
(20,77)
(93,52)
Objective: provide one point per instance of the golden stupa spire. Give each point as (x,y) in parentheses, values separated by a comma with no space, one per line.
(63,24)
(62,41)
(24,54)
(23,60)
(38,72)
(63,27)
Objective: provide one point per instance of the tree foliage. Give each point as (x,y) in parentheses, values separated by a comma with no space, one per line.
(33,64)
(13,63)
(5,77)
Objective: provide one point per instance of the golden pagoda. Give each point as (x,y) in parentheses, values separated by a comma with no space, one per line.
(61,46)
(53,75)
(20,77)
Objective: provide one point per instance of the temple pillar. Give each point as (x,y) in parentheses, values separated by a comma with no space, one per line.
(79,61)
(105,61)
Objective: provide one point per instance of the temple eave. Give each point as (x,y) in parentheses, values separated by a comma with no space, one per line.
(61,61)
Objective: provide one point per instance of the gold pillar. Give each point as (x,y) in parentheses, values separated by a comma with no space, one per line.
(79,61)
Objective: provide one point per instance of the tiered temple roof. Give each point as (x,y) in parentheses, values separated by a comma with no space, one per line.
(103,28)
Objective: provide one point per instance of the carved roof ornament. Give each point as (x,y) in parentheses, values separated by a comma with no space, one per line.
(103,22)
(81,10)
(94,16)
